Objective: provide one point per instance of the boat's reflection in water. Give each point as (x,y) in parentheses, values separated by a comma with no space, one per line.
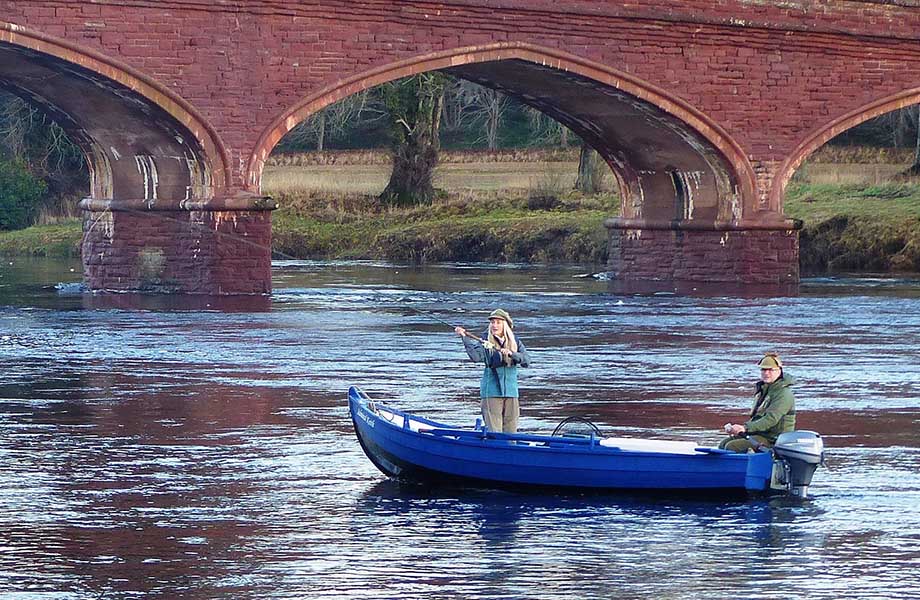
(670,544)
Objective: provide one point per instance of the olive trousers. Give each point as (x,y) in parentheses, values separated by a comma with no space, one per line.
(744,444)
(501,414)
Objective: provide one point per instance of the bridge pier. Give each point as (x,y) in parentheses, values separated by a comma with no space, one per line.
(687,256)
(221,246)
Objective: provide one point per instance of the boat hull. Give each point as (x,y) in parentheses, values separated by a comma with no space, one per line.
(410,448)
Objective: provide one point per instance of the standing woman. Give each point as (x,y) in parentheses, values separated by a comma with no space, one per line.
(501,354)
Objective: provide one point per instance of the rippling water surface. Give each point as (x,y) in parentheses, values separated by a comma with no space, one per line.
(162,447)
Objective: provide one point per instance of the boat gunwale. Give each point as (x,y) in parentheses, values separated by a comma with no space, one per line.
(491,440)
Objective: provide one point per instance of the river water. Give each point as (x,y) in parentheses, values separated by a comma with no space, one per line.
(164,448)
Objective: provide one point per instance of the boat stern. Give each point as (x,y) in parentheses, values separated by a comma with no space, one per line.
(759,472)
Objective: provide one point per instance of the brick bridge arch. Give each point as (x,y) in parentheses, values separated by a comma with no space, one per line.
(675,164)
(721,98)
(816,139)
(141,140)
(159,172)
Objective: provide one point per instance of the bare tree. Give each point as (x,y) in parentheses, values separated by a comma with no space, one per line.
(590,170)
(485,106)
(331,121)
(915,167)
(902,127)
(29,136)
(546,131)
(452,115)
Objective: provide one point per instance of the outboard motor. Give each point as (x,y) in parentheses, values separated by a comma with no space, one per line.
(797,455)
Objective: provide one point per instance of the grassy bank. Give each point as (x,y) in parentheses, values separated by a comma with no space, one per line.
(857,227)
(59,239)
(856,218)
(499,207)
(567,229)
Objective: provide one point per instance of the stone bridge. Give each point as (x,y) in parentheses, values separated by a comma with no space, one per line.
(702,108)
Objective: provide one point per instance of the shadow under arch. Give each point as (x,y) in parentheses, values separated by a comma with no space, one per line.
(141,140)
(818,138)
(672,162)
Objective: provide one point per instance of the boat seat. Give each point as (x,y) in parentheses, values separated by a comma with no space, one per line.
(399,420)
(641,445)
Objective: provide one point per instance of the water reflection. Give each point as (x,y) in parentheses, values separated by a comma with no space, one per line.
(206,452)
(703,289)
(525,540)
(167,302)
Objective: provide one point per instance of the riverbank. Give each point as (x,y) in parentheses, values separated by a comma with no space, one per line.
(854,227)
(502,209)
(544,229)
(60,239)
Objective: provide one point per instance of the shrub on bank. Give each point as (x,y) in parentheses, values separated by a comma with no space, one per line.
(847,243)
(20,194)
(459,228)
(511,242)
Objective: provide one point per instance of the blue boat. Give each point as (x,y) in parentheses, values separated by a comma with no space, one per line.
(411,448)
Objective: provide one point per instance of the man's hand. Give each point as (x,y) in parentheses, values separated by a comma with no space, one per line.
(460,331)
(734,429)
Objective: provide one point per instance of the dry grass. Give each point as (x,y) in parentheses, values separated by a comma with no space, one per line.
(382,157)
(367,172)
(849,173)
(862,155)
(339,179)
(452,177)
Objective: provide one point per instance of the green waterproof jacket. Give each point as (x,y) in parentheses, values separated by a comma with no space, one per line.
(774,409)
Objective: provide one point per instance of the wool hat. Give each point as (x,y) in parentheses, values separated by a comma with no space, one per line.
(770,360)
(502,314)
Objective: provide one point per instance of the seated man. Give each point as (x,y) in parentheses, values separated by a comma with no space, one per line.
(773,412)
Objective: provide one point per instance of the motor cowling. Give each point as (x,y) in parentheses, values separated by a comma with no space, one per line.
(797,455)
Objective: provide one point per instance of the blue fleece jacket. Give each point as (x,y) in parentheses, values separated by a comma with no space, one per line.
(498,379)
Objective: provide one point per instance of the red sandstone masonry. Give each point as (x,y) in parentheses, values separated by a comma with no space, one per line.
(734,60)
(754,257)
(778,77)
(213,252)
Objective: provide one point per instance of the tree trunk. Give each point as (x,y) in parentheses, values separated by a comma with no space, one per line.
(321,132)
(495,114)
(411,178)
(415,106)
(437,110)
(915,168)
(589,179)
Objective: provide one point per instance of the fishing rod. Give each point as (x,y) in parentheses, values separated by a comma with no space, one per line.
(440,320)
